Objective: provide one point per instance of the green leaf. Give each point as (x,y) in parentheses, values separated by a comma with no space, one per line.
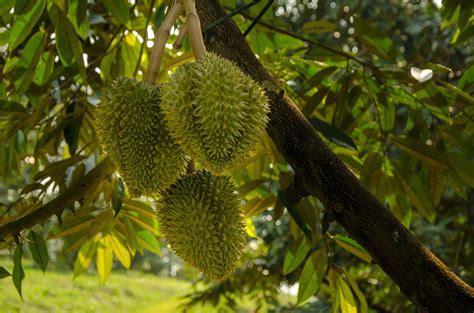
(463,166)
(364,308)
(468,98)
(30,56)
(319,26)
(399,202)
(387,117)
(353,247)
(317,78)
(372,165)
(415,189)
(436,184)
(140,207)
(334,290)
(120,250)
(374,40)
(4,273)
(129,54)
(119,10)
(148,241)
(249,186)
(67,44)
(24,24)
(72,129)
(308,282)
(250,227)
(38,250)
(333,133)
(6,5)
(420,150)
(314,101)
(312,275)
(10,64)
(295,256)
(85,256)
(347,298)
(66,55)
(18,273)
(77,13)
(10,107)
(131,235)
(295,215)
(258,205)
(104,258)
(467,78)
(44,69)
(117,195)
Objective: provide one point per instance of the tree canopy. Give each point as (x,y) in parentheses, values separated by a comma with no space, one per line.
(368,156)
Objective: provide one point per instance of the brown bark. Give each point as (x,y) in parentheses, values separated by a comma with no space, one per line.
(420,274)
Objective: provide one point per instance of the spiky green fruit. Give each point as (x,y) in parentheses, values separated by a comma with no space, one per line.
(214,111)
(131,130)
(201,219)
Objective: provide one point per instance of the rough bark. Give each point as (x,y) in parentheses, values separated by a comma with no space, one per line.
(430,285)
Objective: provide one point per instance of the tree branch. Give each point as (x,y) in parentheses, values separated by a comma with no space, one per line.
(89,182)
(420,275)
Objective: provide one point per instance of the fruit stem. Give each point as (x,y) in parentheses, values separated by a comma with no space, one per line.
(194,29)
(182,32)
(160,41)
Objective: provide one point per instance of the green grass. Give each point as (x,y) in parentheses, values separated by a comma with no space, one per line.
(129,291)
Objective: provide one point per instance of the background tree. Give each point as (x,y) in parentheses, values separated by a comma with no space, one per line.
(407,135)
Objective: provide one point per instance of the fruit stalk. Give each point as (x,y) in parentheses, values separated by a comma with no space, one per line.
(182,32)
(194,29)
(160,41)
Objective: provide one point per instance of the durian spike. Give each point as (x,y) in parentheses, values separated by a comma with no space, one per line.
(160,42)
(182,32)
(194,29)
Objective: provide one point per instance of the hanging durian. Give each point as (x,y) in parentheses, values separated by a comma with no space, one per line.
(214,111)
(200,218)
(131,131)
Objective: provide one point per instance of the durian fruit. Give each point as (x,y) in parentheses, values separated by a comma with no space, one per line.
(131,130)
(200,217)
(214,111)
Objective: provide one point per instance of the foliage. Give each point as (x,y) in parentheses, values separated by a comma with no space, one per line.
(347,65)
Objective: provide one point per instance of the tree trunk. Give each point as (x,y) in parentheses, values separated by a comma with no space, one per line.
(420,274)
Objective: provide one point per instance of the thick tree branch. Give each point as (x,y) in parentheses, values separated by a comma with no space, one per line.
(420,275)
(83,187)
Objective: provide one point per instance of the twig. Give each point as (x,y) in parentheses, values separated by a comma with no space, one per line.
(182,33)
(194,29)
(228,16)
(160,41)
(310,41)
(259,16)
(145,38)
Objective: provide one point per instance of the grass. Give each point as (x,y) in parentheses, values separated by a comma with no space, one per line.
(128,291)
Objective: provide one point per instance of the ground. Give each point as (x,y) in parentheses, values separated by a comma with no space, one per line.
(125,291)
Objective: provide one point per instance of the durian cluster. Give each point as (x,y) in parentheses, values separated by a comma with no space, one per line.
(214,111)
(209,111)
(130,127)
(201,219)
